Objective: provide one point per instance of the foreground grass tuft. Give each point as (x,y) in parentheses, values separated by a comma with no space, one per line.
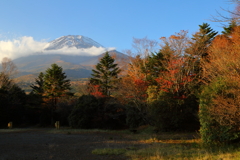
(109,151)
(184,151)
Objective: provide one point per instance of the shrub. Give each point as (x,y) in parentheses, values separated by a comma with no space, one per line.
(64,109)
(218,125)
(83,113)
(134,117)
(113,113)
(173,114)
(92,112)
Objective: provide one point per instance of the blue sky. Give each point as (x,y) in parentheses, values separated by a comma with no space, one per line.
(112,23)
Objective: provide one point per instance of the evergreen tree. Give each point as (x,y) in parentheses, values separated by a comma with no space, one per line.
(12,101)
(36,95)
(106,74)
(154,66)
(201,41)
(228,29)
(198,48)
(55,84)
(38,87)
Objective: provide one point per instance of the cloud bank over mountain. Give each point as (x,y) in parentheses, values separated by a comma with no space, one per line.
(93,51)
(20,47)
(26,46)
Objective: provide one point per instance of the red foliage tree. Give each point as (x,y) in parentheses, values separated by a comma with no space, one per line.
(95,90)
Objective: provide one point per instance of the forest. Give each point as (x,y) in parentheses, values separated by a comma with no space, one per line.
(190,84)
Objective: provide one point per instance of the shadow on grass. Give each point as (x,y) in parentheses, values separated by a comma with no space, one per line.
(150,145)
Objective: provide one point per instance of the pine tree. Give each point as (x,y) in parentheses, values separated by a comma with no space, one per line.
(38,87)
(106,74)
(55,84)
(229,29)
(198,48)
(201,41)
(154,66)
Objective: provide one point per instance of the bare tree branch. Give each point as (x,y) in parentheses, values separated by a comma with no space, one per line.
(8,67)
(233,15)
(7,73)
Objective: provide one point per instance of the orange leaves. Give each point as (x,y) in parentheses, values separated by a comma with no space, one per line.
(235,37)
(176,43)
(223,58)
(221,43)
(176,76)
(227,43)
(141,84)
(132,89)
(175,37)
(141,87)
(222,72)
(165,84)
(96,91)
(175,70)
(188,78)
(134,68)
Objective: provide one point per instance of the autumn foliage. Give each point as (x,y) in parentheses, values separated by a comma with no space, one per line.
(187,84)
(221,73)
(95,90)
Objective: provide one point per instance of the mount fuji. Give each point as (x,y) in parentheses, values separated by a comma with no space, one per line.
(71,41)
(76,54)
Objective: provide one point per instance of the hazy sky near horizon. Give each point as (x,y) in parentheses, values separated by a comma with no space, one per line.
(27,25)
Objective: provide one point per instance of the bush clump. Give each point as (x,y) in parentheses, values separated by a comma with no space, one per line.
(92,112)
(84,112)
(219,123)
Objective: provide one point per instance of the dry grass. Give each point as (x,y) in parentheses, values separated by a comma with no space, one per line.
(176,146)
(109,151)
(183,149)
(181,146)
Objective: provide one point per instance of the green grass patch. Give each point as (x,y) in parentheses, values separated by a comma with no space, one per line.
(184,151)
(109,151)
(14,130)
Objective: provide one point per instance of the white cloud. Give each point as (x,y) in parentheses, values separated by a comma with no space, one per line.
(20,47)
(84,51)
(25,46)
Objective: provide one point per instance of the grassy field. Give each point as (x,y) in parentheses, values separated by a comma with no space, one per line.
(147,145)
(176,146)
(184,149)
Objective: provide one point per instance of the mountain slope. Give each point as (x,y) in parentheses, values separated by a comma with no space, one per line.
(75,66)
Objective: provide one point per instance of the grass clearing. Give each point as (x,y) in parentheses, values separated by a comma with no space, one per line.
(68,130)
(147,145)
(180,146)
(12,130)
(179,152)
(175,146)
(109,151)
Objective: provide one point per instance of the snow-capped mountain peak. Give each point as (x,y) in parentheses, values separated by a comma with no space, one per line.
(70,41)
